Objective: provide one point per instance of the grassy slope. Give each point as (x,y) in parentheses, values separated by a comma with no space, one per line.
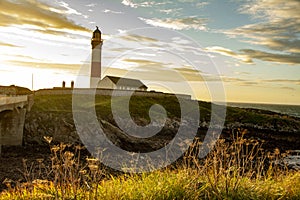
(183,183)
(139,108)
(166,184)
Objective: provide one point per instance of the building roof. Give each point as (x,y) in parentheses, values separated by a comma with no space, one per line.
(97,30)
(127,82)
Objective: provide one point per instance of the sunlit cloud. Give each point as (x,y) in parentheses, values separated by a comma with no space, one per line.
(273,57)
(145,62)
(8,44)
(227,52)
(41,16)
(138,38)
(287,88)
(277,30)
(120,49)
(178,24)
(45,65)
(285,81)
(157,71)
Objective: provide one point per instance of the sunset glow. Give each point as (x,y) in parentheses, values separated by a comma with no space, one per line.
(252,46)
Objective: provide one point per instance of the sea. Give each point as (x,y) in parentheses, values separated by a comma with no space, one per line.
(293,161)
(291,110)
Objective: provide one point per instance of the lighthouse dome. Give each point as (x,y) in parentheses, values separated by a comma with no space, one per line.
(96,33)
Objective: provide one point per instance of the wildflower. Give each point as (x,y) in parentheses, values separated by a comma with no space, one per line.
(48,139)
(68,155)
(79,147)
(55,148)
(91,160)
(93,167)
(40,160)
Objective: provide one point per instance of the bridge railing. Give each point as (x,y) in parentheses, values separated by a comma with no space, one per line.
(5,100)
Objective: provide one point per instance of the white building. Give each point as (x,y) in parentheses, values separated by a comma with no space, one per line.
(112,82)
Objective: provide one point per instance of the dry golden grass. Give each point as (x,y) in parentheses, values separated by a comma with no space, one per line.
(239,169)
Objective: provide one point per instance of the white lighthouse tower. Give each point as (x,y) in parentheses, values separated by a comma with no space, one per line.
(96,58)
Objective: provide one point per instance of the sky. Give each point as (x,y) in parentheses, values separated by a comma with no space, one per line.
(231,50)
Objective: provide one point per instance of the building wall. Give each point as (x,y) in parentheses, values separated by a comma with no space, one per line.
(106,83)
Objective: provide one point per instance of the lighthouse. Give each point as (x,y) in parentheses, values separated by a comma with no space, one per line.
(96,58)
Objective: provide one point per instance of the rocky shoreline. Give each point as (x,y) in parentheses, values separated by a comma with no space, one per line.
(61,128)
(273,130)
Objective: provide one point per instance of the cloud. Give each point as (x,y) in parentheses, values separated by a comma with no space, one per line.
(202,4)
(285,81)
(142,62)
(138,38)
(261,82)
(273,57)
(287,88)
(272,9)
(92,5)
(26,57)
(277,29)
(129,3)
(39,15)
(133,4)
(160,71)
(187,69)
(179,23)
(190,74)
(155,74)
(113,12)
(279,35)
(8,44)
(66,9)
(170,11)
(247,55)
(227,52)
(120,49)
(45,65)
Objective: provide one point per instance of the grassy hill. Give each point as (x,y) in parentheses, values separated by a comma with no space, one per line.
(139,109)
(226,173)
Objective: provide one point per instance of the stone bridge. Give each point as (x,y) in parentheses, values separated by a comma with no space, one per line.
(12,118)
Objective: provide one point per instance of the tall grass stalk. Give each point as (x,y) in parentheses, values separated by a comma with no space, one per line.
(235,169)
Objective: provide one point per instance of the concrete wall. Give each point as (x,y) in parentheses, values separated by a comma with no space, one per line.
(12,118)
(11,126)
(8,90)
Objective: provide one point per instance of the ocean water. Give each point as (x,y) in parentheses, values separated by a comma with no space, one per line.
(292,110)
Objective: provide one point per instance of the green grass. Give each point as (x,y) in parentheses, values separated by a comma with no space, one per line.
(139,109)
(167,184)
(228,172)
